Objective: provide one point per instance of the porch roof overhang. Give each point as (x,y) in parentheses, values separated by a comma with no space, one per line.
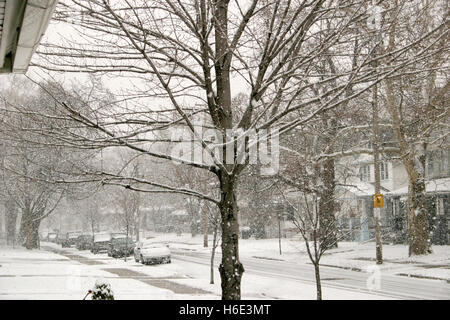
(22,25)
(360,189)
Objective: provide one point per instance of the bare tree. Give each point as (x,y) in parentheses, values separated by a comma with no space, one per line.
(417,105)
(319,235)
(29,164)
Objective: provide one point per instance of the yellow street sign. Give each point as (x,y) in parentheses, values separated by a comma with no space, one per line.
(378,201)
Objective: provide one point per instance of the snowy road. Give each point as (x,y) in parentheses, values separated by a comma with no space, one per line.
(392,286)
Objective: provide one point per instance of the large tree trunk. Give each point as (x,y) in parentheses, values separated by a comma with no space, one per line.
(418,234)
(417,219)
(29,230)
(11,221)
(230,269)
(418,237)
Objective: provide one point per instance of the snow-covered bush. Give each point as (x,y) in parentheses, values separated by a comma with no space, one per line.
(102,291)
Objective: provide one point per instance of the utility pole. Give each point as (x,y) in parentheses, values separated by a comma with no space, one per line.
(377,197)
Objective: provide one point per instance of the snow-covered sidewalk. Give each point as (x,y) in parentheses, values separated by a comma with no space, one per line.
(395,260)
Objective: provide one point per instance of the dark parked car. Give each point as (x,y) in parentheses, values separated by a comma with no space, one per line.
(120,247)
(62,238)
(70,239)
(84,242)
(52,237)
(101,243)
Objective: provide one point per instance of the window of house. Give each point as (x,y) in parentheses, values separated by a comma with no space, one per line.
(384,171)
(444,170)
(438,164)
(364,173)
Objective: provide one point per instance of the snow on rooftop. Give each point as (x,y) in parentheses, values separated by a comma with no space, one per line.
(102,237)
(431,186)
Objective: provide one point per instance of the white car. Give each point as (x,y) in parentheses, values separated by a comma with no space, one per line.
(152,252)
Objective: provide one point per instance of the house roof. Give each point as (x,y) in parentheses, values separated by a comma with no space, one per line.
(431,186)
(22,25)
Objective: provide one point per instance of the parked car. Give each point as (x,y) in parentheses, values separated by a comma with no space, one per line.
(118,235)
(101,243)
(84,242)
(115,235)
(152,252)
(70,239)
(52,237)
(120,247)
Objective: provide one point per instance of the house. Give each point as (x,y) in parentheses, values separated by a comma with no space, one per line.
(437,188)
(355,194)
(22,25)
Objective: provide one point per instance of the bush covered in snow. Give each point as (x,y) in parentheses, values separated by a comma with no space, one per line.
(102,291)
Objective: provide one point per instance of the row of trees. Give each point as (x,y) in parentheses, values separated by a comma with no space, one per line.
(306,71)
(34,168)
(28,159)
